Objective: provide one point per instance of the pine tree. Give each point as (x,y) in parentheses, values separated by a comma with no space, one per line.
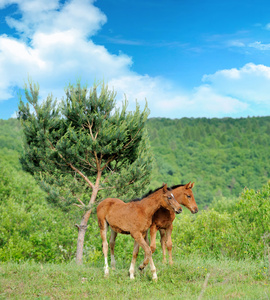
(84,148)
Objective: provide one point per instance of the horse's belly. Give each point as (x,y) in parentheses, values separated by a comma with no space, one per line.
(120,230)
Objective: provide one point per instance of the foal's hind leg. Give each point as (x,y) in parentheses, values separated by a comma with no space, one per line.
(103,233)
(153,234)
(169,243)
(112,244)
(133,261)
(163,239)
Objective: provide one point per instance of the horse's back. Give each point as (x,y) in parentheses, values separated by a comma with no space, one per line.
(121,216)
(107,204)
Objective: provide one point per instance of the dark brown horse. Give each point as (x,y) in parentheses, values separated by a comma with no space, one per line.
(133,218)
(163,219)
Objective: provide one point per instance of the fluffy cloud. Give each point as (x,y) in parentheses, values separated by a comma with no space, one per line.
(250,83)
(49,16)
(54,48)
(169,101)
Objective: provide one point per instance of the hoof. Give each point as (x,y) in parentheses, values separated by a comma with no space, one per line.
(155,278)
(141,267)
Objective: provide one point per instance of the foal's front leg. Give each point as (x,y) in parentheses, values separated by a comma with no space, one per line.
(112,244)
(140,239)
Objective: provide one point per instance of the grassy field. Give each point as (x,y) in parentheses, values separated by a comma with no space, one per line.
(186,279)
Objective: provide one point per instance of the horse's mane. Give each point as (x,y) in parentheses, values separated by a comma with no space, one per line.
(176,186)
(149,193)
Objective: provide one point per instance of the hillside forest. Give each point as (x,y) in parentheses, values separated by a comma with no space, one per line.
(222,156)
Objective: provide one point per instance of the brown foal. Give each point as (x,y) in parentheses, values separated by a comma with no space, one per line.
(134,218)
(163,219)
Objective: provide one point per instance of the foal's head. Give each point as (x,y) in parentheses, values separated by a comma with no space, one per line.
(184,195)
(169,201)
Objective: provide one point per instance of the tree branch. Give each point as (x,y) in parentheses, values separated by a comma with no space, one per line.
(80,206)
(78,171)
(90,129)
(72,167)
(108,161)
(132,139)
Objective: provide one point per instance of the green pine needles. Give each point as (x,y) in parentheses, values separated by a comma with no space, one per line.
(84,148)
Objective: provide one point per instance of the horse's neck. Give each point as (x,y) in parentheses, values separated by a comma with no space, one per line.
(178,192)
(151,204)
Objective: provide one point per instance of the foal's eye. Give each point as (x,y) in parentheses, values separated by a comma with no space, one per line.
(188,196)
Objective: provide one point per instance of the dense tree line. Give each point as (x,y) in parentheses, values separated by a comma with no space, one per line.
(222,156)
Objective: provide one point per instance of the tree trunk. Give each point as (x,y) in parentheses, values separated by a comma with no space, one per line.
(83,226)
(81,234)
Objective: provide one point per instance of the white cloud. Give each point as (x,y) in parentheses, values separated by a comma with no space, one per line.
(259,46)
(58,50)
(168,101)
(216,103)
(233,92)
(49,16)
(16,60)
(251,83)
(235,43)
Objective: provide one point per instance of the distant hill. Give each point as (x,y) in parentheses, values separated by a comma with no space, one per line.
(222,156)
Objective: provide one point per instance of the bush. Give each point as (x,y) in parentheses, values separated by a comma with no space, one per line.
(210,234)
(240,232)
(253,212)
(29,227)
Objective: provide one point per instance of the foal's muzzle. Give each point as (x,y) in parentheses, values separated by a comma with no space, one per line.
(179,210)
(195,210)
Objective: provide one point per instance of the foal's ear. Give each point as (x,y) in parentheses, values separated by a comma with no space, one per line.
(188,185)
(164,187)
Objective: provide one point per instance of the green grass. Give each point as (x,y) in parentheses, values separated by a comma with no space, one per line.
(184,280)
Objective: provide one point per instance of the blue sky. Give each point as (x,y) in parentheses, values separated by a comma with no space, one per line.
(190,58)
